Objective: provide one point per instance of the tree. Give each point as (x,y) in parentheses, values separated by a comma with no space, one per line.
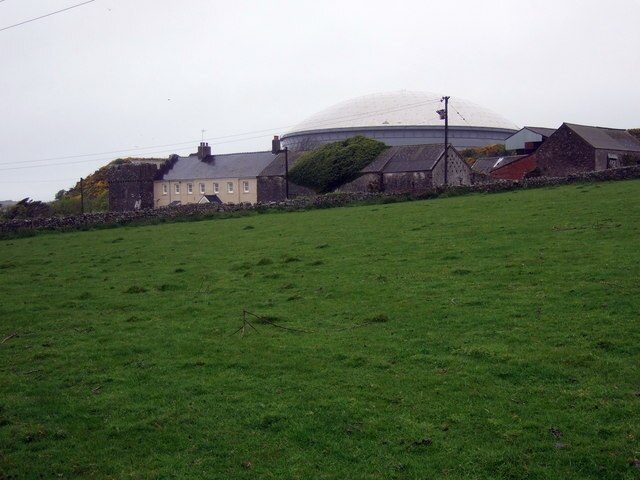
(470,155)
(329,166)
(27,208)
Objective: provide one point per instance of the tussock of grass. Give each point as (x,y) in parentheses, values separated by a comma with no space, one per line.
(291,259)
(135,289)
(379,318)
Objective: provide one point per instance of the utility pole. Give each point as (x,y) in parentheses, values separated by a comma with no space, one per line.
(275,149)
(81,196)
(444,115)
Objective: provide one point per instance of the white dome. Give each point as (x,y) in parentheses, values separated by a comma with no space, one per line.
(401,109)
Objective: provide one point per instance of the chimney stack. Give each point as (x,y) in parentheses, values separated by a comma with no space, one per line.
(204,151)
(275,144)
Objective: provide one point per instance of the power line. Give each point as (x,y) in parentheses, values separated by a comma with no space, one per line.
(238,137)
(46,15)
(460,115)
(40,181)
(107,159)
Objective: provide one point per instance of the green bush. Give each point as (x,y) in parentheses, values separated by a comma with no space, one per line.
(27,208)
(329,166)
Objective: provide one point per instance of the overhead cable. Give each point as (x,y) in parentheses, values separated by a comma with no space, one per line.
(46,15)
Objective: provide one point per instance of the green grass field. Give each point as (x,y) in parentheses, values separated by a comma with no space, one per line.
(485,336)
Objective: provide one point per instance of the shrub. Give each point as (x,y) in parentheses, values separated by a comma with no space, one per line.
(329,166)
(27,208)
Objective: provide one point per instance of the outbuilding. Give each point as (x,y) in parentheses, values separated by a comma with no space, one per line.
(580,148)
(514,167)
(528,139)
(412,169)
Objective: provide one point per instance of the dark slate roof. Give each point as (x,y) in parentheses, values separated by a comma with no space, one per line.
(606,138)
(212,198)
(406,158)
(489,164)
(276,167)
(484,165)
(233,165)
(545,132)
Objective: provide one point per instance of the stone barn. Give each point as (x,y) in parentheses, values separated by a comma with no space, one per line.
(412,169)
(271,181)
(131,186)
(579,148)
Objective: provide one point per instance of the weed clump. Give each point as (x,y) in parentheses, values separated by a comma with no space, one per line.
(135,289)
(379,318)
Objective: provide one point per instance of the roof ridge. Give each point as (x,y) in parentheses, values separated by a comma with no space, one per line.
(594,126)
(227,154)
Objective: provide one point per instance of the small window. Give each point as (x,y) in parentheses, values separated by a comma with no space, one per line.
(189,188)
(230,187)
(165,190)
(245,186)
(216,188)
(202,188)
(176,188)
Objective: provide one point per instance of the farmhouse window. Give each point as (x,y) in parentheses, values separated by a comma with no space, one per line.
(612,160)
(202,188)
(189,188)
(176,188)
(216,188)
(230,187)
(245,187)
(165,190)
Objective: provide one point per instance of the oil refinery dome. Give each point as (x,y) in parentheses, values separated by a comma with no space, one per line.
(401,118)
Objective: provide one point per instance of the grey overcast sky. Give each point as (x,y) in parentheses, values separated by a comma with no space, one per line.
(145,77)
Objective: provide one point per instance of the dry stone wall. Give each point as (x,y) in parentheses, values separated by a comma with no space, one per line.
(107,219)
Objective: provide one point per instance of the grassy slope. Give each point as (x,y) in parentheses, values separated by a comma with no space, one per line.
(506,316)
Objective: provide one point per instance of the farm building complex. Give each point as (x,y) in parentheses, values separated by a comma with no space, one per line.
(409,124)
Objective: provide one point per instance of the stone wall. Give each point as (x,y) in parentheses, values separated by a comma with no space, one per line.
(272,189)
(565,153)
(406,182)
(603,162)
(369,183)
(458,172)
(149,215)
(131,186)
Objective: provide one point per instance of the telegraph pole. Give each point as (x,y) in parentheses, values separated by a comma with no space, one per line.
(446,138)
(81,196)
(276,148)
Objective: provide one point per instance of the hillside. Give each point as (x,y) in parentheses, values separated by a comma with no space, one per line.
(485,336)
